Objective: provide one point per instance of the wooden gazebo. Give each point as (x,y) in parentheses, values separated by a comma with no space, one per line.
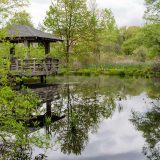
(32,67)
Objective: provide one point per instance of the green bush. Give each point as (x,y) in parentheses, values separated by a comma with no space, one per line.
(141,53)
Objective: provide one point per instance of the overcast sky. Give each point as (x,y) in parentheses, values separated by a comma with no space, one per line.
(126,12)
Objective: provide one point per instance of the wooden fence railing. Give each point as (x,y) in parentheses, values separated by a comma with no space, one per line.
(35,67)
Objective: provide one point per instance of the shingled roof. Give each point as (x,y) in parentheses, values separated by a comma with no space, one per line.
(21,33)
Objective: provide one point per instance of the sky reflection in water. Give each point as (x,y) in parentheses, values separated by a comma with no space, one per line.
(116,138)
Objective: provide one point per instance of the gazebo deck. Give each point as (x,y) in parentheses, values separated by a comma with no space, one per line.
(34,67)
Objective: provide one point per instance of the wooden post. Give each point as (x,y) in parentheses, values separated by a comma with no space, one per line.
(42,79)
(47,47)
(27,45)
(34,65)
(45,81)
(12,52)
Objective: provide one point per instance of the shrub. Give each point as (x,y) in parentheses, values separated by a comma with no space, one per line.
(156,65)
(141,53)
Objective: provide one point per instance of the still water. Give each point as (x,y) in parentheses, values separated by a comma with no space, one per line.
(106,118)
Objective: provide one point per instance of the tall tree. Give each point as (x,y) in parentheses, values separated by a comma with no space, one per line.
(102,27)
(109,26)
(67,18)
(94,28)
(20,18)
(152,13)
(151,38)
(108,20)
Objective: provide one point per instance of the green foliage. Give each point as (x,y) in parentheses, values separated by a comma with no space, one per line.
(16,109)
(141,53)
(152,37)
(98,33)
(8,7)
(133,38)
(82,35)
(130,45)
(152,13)
(147,36)
(142,69)
(109,32)
(156,65)
(68,20)
(20,18)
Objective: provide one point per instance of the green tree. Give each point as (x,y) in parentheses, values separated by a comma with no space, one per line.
(20,18)
(152,13)
(101,32)
(151,38)
(131,32)
(147,36)
(109,32)
(108,25)
(131,38)
(93,29)
(67,18)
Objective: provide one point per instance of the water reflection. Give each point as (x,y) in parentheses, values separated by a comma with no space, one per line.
(88,118)
(24,152)
(83,114)
(93,104)
(149,124)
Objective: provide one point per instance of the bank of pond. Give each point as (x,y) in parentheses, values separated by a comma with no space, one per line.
(142,70)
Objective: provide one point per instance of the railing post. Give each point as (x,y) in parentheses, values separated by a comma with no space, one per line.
(34,65)
(17,66)
(45,67)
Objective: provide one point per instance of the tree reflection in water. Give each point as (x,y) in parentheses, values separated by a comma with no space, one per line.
(149,124)
(16,142)
(84,110)
(13,152)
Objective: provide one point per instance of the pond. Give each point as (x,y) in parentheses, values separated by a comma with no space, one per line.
(104,118)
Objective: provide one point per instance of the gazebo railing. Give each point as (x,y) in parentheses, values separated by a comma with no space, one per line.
(34,66)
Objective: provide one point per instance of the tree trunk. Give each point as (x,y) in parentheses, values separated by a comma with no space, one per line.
(67,53)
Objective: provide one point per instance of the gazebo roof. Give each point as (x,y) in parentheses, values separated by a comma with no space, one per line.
(21,33)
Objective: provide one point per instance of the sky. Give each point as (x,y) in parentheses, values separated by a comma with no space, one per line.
(126,12)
